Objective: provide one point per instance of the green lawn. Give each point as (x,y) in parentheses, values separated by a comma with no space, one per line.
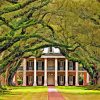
(41,93)
(78,93)
(25,93)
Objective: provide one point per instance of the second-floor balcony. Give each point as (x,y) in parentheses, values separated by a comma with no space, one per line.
(52,68)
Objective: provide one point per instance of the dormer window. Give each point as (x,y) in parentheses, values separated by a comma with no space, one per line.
(50,49)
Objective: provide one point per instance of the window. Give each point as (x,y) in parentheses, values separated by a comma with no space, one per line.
(70,78)
(50,49)
(71,65)
(30,63)
(39,63)
(61,64)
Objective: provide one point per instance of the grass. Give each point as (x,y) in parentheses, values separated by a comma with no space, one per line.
(78,93)
(41,93)
(77,90)
(25,93)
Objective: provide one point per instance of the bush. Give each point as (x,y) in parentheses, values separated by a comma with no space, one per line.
(3,89)
(93,87)
(19,81)
(80,80)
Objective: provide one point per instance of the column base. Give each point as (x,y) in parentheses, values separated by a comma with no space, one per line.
(45,84)
(34,84)
(76,84)
(66,84)
(56,84)
(24,85)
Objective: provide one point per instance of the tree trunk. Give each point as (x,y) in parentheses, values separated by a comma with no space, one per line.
(10,79)
(98,81)
(12,73)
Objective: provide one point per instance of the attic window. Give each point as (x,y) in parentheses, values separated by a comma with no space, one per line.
(50,49)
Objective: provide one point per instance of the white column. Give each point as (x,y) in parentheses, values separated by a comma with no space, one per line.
(87,78)
(56,66)
(66,72)
(24,71)
(45,72)
(34,84)
(76,77)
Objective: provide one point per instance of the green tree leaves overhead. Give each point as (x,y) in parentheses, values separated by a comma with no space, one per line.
(27,26)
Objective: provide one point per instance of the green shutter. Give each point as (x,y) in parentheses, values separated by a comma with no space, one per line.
(42,65)
(36,65)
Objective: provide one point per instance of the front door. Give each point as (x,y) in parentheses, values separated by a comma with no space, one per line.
(51,79)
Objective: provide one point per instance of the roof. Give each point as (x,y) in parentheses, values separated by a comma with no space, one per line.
(52,55)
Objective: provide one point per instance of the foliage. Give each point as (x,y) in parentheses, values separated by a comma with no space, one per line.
(19,81)
(27,26)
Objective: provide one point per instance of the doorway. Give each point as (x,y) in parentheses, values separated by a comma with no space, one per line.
(51,79)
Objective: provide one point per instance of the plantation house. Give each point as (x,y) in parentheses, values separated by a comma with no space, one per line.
(52,68)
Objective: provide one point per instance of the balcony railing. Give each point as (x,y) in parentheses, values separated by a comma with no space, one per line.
(40,68)
(50,68)
(29,68)
(61,68)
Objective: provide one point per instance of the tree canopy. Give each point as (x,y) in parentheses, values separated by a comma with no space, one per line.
(27,26)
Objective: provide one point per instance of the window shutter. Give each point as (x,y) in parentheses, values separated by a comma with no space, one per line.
(58,65)
(42,80)
(64,79)
(42,65)
(27,65)
(73,65)
(36,65)
(64,65)
(33,65)
(58,80)
(37,80)
(68,65)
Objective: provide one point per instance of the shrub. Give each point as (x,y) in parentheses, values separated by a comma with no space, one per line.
(19,81)
(93,87)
